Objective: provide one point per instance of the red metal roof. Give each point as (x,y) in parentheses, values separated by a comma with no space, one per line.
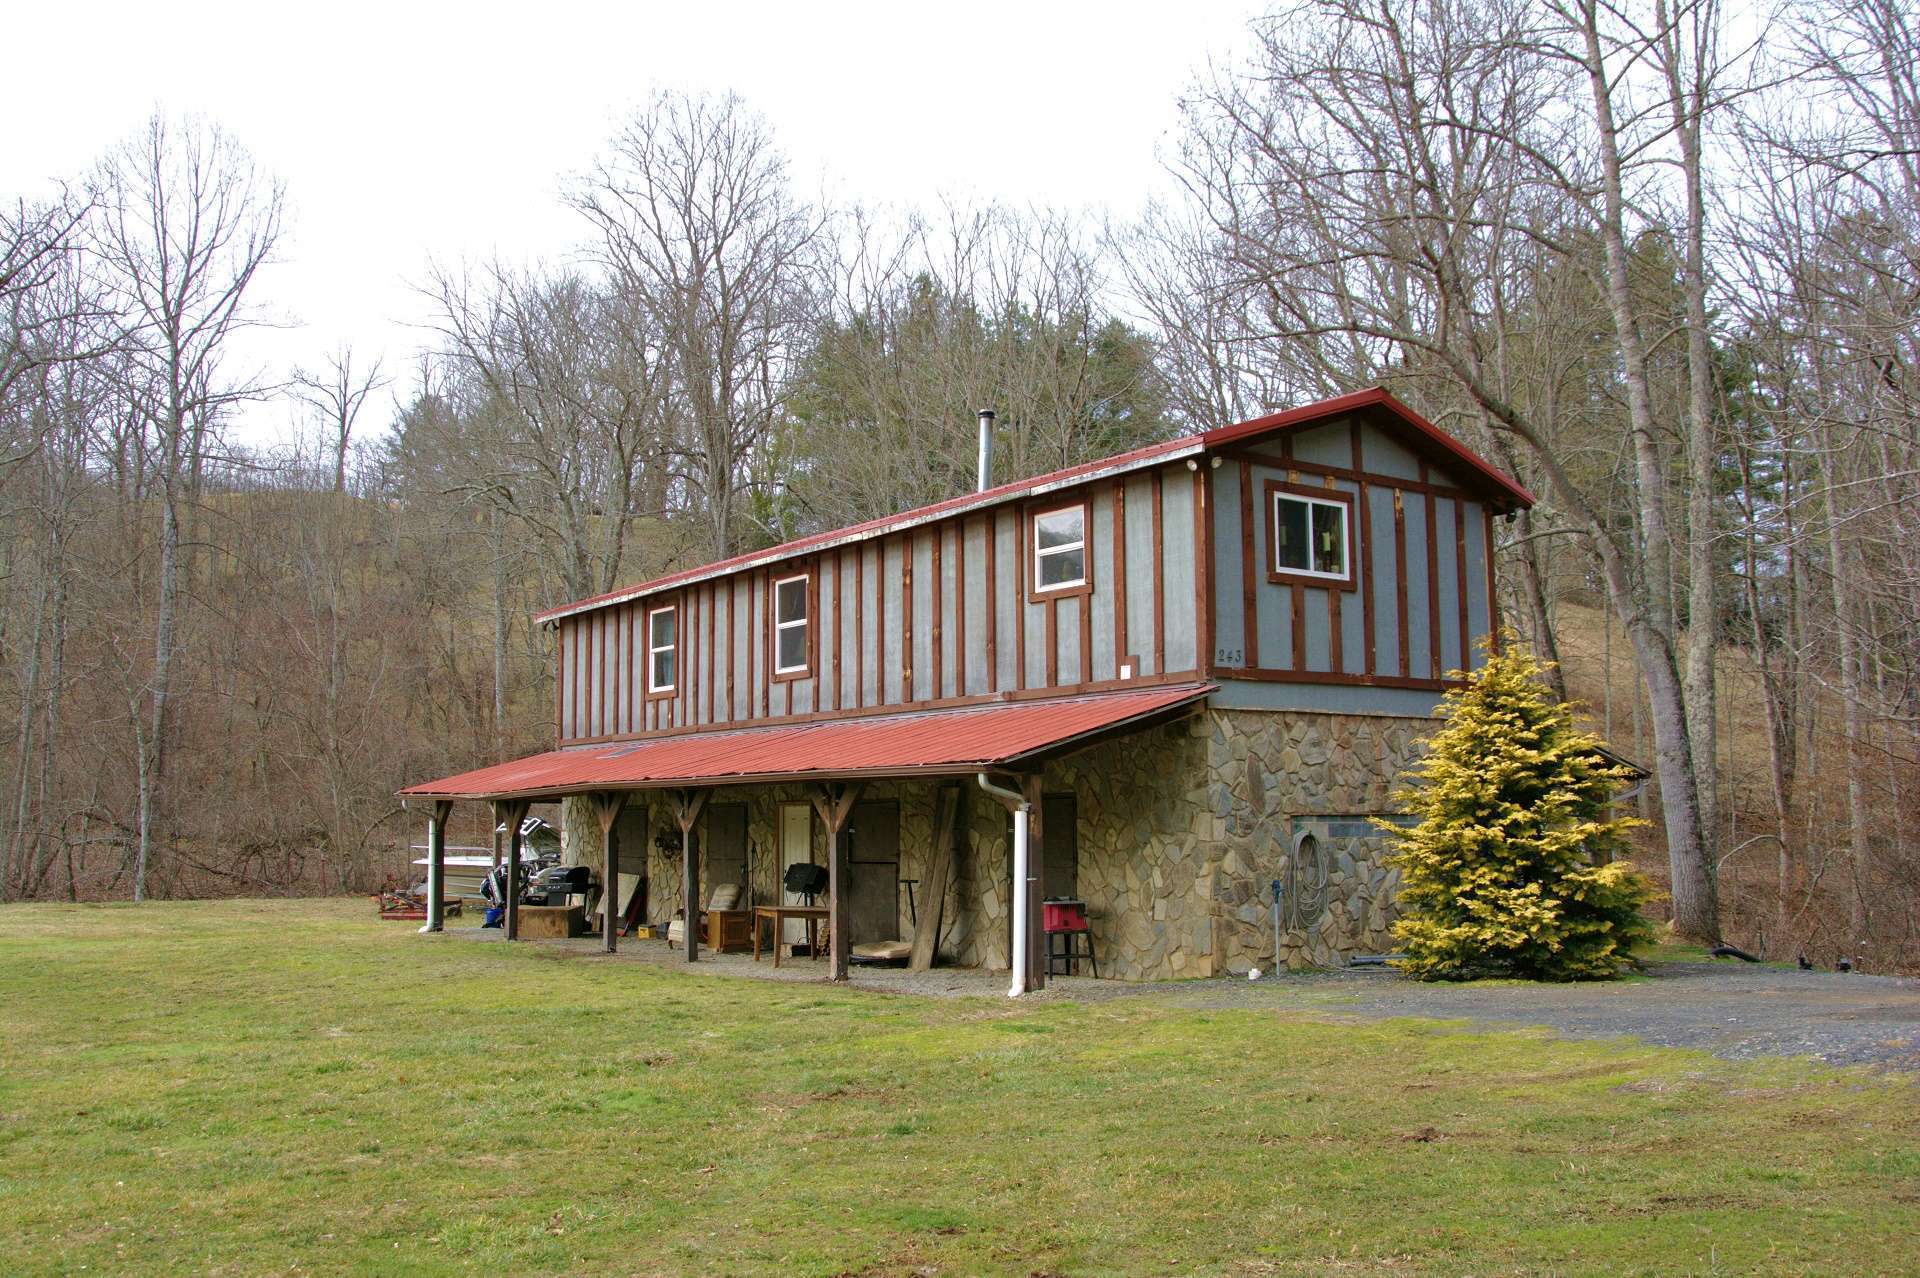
(949,742)
(1425,432)
(1121,462)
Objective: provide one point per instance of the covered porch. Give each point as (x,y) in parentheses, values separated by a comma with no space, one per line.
(936,821)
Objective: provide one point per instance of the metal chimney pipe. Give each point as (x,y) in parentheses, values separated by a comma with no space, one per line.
(986,451)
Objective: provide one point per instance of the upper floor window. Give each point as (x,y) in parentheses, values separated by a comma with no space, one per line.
(792,625)
(663,648)
(1312,534)
(1060,549)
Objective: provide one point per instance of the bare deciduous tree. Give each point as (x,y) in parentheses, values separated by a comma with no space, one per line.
(39,250)
(702,235)
(1391,186)
(568,432)
(336,393)
(185,223)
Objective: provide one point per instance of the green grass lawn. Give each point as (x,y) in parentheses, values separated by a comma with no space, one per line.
(295,1087)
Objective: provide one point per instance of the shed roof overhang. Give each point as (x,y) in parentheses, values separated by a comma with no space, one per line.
(1002,735)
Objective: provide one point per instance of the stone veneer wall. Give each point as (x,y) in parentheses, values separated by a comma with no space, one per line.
(1181,830)
(1147,849)
(1273,775)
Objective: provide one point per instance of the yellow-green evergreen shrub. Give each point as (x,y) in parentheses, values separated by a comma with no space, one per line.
(1510,869)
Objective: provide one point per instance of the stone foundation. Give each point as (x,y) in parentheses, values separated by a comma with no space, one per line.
(1181,831)
(1147,842)
(1276,776)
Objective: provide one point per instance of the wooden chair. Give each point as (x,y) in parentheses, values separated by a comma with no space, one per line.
(724,927)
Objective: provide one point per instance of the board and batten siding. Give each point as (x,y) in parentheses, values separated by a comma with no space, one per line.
(943,614)
(1417,606)
(935,615)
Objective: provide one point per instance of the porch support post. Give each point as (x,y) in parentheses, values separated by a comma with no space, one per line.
(437,866)
(835,803)
(687,806)
(510,813)
(1035,921)
(606,809)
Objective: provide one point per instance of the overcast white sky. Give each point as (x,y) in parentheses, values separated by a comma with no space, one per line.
(404,132)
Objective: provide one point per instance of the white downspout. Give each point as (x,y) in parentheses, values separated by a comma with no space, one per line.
(436,872)
(1021,811)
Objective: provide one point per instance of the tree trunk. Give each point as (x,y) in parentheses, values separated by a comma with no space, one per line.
(1779,738)
(19,837)
(51,742)
(1533,577)
(496,543)
(1681,54)
(1689,847)
(153,751)
(1533,591)
(1852,690)
(1696,905)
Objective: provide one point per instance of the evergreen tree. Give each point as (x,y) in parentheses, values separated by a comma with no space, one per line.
(1510,870)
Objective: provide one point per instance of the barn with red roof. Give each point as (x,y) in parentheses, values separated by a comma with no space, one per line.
(1137,713)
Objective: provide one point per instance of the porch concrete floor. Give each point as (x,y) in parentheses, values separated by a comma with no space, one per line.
(950,982)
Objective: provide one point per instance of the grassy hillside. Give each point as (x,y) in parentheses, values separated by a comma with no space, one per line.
(292,1087)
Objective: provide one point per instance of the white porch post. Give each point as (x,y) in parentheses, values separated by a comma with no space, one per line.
(437,866)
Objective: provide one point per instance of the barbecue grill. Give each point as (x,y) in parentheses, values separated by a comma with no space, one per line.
(805,879)
(557,883)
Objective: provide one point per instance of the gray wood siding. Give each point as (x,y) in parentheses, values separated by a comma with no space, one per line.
(935,615)
(943,614)
(1419,553)
(1179,580)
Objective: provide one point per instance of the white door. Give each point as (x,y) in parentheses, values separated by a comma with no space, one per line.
(796,848)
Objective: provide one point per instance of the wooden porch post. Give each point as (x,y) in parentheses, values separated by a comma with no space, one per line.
(687,805)
(606,808)
(437,866)
(835,803)
(1032,786)
(511,812)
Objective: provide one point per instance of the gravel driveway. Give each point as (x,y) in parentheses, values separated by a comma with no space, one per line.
(1731,1009)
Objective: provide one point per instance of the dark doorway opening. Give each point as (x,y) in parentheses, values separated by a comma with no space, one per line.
(1060,846)
(1059,831)
(726,848)
(873,857)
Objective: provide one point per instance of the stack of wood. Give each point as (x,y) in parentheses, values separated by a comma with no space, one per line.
(408,904)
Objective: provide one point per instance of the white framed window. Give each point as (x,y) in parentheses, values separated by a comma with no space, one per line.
(1060,549)
(792,625)
(1312,534)
(663,648)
